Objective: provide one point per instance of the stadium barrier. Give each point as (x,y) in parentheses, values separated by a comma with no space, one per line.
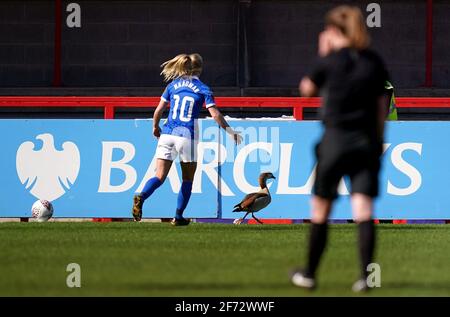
(413,161)
(110,104)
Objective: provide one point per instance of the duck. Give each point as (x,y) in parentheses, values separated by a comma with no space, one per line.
(256,201)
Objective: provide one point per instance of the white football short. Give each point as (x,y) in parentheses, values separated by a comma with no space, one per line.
(170,146)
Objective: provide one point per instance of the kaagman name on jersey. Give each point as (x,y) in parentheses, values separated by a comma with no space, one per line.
(188,84)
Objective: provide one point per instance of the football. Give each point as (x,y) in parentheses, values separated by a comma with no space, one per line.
(237,221)
(42,210)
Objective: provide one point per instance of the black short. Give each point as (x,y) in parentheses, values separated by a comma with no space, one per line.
(352,155)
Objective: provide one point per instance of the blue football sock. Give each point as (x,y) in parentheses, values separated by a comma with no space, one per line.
(152,184)
(183,198)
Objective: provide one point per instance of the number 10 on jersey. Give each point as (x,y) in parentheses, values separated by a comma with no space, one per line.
(181,112)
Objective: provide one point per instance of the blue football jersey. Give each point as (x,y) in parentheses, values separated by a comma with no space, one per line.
(186,96)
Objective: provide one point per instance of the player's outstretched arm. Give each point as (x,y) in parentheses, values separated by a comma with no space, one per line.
(157,117)
(218,117)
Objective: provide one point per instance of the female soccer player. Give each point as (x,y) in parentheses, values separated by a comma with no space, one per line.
(351,79)
(179,135)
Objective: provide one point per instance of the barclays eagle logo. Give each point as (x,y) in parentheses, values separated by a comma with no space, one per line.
(47,171)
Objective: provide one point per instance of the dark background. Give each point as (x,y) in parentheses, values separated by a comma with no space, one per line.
(250,48)
(245,44)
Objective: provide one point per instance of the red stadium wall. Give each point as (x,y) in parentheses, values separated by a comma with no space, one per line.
(110,104)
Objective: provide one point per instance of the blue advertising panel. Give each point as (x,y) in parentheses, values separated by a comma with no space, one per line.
(89,168)
(414,181)
(92,168)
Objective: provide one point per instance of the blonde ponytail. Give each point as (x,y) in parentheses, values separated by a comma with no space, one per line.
(178,66)
(350,21)
(182,65)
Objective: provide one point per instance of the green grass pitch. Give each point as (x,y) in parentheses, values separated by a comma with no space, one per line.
(156,259)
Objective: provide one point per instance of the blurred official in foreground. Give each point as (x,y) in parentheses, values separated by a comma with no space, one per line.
(351,80)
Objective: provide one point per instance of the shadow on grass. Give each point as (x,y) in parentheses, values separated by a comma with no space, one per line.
(284,288)
(433,286)
(158,286)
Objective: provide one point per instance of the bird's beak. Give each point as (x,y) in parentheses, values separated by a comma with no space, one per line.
(273,177)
